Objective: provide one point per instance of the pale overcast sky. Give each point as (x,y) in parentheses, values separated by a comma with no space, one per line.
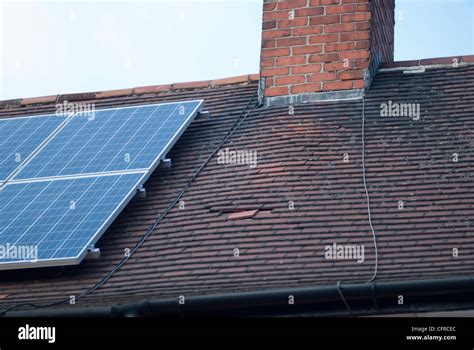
(51,47)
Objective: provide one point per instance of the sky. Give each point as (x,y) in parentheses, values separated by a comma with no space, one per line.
(59,47)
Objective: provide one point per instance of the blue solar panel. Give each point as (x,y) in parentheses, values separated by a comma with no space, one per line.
(68,192)
(114,140)
(60,218)
(19,137)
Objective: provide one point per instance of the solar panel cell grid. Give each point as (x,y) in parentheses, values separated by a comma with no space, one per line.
(60,217)
(114,140)
(19,137)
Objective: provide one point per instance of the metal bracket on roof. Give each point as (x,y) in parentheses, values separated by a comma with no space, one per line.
(203,115)
(141,192)
(166,163)
(93,253)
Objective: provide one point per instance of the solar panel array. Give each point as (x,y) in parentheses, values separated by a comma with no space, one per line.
(71,176)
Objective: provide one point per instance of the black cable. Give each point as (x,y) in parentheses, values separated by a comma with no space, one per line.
(240,119)
(369,213)
(338,286)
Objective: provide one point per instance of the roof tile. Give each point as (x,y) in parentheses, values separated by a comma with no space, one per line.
(248,214)
(114,93)
(38,100)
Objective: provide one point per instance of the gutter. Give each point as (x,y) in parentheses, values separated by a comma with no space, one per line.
(363,299)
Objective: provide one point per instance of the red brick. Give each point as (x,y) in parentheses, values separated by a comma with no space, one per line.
(356,17)
(307,30)
(275,52)
(269,82)
(298,89)
(339,46)
(324,2)
(276,91)
(322,77)
(325,20)
(311,11)
(337,85)
(362,44)
(303,50)
(291,41)
(339,28)
(272,72)
(324,58)
(297,22)
(269,25)
(291,4)
(307,68)
(267,62)
(360,64)
(290,61)
(317,39)
(362,26)
(268,43)
(351,75)
(290,80)
(363,7)
(334,66)
(354,55)
(268,16)
(276,33)
(341,9)
(354,36)
(269,6)
(359,84)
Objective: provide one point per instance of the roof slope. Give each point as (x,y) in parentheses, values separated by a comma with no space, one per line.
(300,159)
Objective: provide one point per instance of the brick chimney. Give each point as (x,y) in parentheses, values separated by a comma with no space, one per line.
(323,49)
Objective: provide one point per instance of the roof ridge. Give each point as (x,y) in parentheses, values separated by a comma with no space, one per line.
(140,90)
(429,62)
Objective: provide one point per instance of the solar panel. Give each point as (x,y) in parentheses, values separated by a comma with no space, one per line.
(19,137)
(80,174)
(48,223)
(114,140)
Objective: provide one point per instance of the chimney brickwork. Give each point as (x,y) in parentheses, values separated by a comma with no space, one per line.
(323,49)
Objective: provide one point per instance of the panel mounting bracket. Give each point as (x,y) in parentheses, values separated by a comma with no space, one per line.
(93,253)
(141,192)
(166,163)
(203,115)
